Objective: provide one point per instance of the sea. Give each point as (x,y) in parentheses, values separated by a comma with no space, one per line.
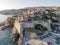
(5,35)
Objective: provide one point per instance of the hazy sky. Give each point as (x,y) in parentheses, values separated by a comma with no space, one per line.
(15,4)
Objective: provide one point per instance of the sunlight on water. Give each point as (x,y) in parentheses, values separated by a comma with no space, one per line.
(4,17)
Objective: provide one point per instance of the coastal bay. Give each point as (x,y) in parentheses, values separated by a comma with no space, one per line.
(5,35)
(4,17)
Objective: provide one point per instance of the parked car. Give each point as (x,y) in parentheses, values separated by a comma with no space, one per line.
(49,34)
(57,40)
(41,38)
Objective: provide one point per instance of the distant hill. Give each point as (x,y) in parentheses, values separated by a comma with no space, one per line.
(12,11)
(17,11)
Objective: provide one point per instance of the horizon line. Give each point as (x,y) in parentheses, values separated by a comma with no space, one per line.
(29,7)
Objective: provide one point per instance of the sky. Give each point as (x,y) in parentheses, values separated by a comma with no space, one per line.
(17,4)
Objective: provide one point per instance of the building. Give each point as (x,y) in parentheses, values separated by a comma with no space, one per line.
(25,27)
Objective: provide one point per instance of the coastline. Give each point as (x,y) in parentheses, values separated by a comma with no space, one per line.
(9,21)
(6,30)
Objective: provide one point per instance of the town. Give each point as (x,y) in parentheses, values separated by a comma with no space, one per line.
(37,26)
(29,22)
(34,26)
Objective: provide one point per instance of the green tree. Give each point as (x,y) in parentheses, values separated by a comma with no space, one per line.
(40,27)
(53,27)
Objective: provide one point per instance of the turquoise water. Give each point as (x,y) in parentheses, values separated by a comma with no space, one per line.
(5,35)
(6,38)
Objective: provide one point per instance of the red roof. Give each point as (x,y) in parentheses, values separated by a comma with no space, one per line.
(49,42)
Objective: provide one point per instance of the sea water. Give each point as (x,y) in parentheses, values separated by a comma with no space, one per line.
(5,35)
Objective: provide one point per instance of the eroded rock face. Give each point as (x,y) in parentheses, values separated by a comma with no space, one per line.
(33,35)
(20,41)
(27,31)
(16,37)
(35,42)
(30,32)
(7,23)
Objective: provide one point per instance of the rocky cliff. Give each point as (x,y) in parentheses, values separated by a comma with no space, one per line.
(8,22)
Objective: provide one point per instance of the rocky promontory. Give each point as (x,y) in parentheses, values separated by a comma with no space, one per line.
(7,23)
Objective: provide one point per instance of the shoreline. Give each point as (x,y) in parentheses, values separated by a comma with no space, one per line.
(7,23)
